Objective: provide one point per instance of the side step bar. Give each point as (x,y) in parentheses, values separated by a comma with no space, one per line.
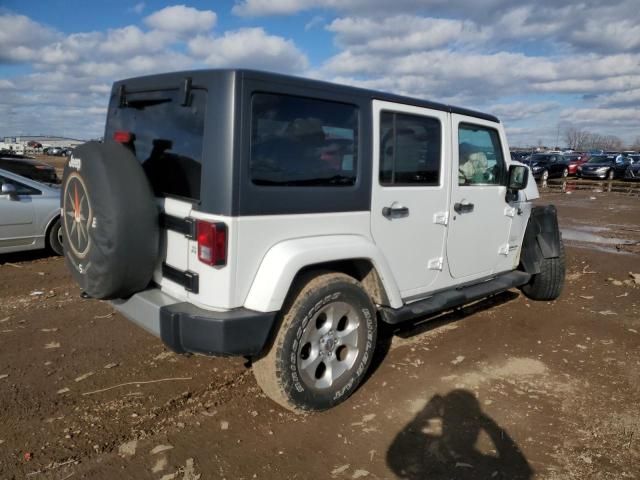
(456,297)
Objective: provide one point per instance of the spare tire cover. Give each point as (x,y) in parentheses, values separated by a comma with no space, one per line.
(110,221)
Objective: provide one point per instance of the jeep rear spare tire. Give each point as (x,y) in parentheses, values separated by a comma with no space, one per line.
(109,221)
(324,345)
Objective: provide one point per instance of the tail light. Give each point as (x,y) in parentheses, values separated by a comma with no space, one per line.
(122,136)
(212,243)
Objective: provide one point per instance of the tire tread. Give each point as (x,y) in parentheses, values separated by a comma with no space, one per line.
(547,285)
(269,369)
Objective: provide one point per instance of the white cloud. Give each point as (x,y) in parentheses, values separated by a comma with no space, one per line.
(622,98)
(138,8)
(72,74)
(627,117)
(182,19)
(623,35)
(21,37)
(314,22)
(249,47)
(520,110)
(402,33)
(131,40)
(271,7)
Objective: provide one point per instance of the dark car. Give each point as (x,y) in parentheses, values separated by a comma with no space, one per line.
(602,166)
(632,172)
(548,165)
(520,156)
(29,167)
(55,151)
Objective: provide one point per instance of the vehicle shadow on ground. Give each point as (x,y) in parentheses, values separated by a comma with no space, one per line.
(432,322)
(441,443)
(26,256)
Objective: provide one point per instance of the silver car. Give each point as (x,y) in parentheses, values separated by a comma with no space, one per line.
(29,214)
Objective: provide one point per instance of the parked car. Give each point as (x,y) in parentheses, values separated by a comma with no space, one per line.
(545,165)
(295,216)
(29,214)
(29,167)
(575,160)
(632,172)
(602,167)
(520,156)
(54,151)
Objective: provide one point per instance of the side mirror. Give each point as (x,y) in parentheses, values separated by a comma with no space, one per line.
(9,189)
(518,177)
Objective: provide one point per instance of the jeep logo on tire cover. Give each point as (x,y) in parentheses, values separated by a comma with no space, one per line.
(78,216)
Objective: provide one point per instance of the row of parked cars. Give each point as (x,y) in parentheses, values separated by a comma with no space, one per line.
(58,151)
(598,165)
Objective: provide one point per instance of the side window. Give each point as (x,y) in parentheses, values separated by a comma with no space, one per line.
(480,156)
(299,141)
(21,189)
(409,150)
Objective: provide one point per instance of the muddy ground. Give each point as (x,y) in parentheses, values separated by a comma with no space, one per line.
(521,389)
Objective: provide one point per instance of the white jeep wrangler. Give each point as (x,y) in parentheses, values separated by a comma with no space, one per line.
(235,212)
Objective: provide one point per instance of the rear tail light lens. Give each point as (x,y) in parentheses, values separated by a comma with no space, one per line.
(212,243)
(122,136)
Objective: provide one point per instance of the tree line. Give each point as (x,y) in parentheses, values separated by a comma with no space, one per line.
(581,140)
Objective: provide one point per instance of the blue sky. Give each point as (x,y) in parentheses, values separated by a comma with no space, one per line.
(542,67)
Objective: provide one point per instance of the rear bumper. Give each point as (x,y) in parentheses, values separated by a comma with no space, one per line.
(183,327)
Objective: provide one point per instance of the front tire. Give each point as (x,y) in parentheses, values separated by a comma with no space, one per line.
(545,175)
(54,238)
(547,285)
(324,345)
(611,174)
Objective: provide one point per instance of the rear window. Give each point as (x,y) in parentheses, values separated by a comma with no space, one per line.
(300,141)
(166,137)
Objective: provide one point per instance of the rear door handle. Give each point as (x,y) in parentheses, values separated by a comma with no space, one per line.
(463,207)
(395,211)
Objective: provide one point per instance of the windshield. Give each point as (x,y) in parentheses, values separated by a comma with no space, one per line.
(541,158)
(599,160)
(166,137)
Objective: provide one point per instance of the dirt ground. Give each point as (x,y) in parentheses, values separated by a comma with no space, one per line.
(519,389)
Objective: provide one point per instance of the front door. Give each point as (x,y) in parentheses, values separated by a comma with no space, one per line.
(480,215)
(16,215)
(410,188)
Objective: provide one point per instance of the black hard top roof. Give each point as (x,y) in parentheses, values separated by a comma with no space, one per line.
(201,76)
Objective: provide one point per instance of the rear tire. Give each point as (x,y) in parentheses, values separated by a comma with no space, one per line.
(565,173)
(323,347)
(54,238)
(547,285)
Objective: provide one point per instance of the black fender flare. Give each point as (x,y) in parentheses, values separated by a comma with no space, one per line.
(542,238)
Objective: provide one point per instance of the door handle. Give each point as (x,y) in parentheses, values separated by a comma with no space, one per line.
(395,211)
(463,207)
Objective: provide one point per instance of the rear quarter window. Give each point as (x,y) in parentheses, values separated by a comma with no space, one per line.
(297,141)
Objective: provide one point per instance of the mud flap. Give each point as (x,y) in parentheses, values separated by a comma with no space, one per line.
(541,239)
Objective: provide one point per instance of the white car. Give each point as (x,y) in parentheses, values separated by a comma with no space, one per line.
(29,214)
(235,212)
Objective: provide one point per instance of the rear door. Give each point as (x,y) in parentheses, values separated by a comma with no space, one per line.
(480,215)
(166,135)
(410,189)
